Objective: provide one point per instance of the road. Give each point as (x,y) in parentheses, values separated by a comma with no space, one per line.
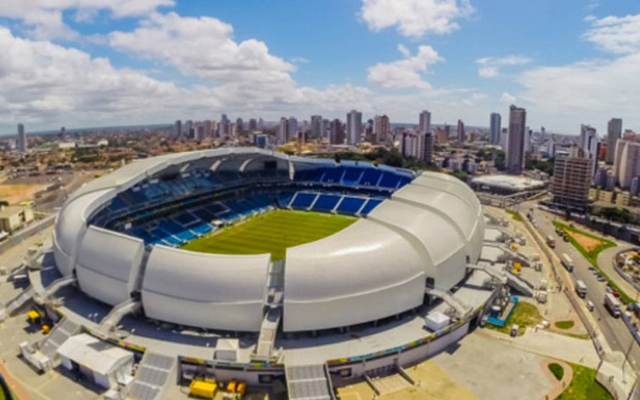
(613,329)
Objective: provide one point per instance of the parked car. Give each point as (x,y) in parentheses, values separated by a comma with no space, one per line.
(615,293)
(601,278)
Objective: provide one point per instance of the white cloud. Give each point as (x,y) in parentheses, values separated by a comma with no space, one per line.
(507,98)
(597,90)
(415,18)
(619,35)
(490,67)
(203,47)
(44,17)
(46,85)
(406,73)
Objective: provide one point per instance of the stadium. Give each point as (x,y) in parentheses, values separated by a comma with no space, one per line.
(246,263)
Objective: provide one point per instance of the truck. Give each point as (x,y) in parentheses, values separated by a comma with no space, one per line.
(581,289)
(612,304)
(551,242)
(567,262)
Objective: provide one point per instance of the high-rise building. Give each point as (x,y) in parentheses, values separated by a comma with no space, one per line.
(239,125)
(316,126)
(515,140)
(425,122)
(336,134)
(614,132)
(177,129)
(461,134)
(224,128)
(253,125)
(22,139)
(627,162)
(208,128)
(188,129)
(409,144)
(442,136)
(293,129)
(354,127)
(572,179)
(589,143)
(588,140)
(424,150)
(381,128)
(283,131)
(495,127)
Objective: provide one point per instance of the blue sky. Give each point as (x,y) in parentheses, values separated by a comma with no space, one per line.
(84,63)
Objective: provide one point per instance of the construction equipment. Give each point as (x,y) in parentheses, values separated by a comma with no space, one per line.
(203,389)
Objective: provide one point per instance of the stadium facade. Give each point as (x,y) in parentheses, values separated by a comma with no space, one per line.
(408,278)
(120,235)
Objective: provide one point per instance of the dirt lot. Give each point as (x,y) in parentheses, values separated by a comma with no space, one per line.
(432,383)
(587,243)
(15,192)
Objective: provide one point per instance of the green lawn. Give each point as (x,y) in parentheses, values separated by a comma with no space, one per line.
(525,314)
(272,232)
(583,386)
(592,256)
(557,370)
(565,324)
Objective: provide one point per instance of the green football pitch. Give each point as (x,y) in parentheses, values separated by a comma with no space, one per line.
(272,232)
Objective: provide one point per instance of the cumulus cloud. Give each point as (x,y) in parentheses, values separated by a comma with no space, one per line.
(489,67)
(47,85)
(594,89)
(619,35)
(415,18)
(45,17)
(405,73)
(203,47)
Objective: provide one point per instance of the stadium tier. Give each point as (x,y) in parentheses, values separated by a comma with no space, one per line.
(121,235)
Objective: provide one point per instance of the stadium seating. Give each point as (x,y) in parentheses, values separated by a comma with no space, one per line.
(371,204)
(185,218)
(326,202)
(350,205)
(302,201)
(370,177)
(352,176)
(345,189)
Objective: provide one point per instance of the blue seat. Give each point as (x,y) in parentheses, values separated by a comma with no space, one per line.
(185,218)
(352,175)
(389,180)
(370,177)
(202,228)
(333,175)
(351,205)
(203,214)
(303,200)
(371,204)
(326,202)
(117,204)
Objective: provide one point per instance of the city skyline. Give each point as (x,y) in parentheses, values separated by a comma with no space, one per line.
(87,65)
